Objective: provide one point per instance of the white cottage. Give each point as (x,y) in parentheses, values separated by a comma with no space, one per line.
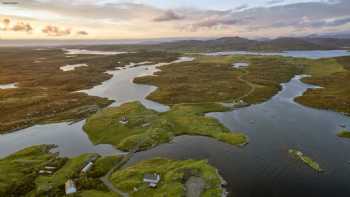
(151,179)
(70,187)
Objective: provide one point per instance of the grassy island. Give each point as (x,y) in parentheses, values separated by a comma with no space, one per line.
(35,171)
(173,178)
(146,128)
(307,160)
(213,79)
(344,134)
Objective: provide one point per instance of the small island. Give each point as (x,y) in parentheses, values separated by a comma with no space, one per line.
(344,134)
(164,177)
(307,160)
(131,126)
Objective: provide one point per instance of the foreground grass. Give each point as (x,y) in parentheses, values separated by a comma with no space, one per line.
(19,170)
(19,173)
(95,193)
(344,134)
(173,174)
(307,160)
(47,94)
(153,128)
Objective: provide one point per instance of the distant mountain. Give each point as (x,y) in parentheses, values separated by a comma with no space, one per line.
(243,44)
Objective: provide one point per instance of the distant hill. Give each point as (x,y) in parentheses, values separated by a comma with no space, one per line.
(238,43)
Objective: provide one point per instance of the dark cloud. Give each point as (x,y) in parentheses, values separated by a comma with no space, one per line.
(241,7)
(83,33)
(271,2)
(168,16)
(51,30)
(328,23)
(297,16)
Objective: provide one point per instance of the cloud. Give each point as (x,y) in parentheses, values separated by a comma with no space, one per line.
(21,26)
(18,27)
(133,19)
(51,30)
(271,2)
(6,22)
(241,7)
(83,33)
(168,16)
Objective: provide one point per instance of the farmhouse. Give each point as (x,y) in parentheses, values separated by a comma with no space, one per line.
(151,179)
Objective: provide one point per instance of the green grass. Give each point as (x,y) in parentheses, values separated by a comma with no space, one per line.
(19,173)
(69,171)
(95,193)
(307,160)
(154,128)
(19,170)
(173,174)
(103,165)
(344,134)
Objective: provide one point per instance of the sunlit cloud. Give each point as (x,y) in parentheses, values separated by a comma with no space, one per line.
(113,19)
(51,30)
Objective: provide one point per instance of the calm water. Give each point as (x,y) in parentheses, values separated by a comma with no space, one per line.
(71,139)
(90,52)
(8,86)
(304,54)
(263,167)
(72,67)
(240,65)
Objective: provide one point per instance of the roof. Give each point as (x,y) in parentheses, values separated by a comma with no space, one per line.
(151,177)
(70,187)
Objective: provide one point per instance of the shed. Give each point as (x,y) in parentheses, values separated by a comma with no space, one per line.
(87,167)
(70,187)
(151,179)
(124,120)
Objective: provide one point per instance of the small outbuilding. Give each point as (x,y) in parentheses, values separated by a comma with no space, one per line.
(151,179)
(124,120)
(70,187)
(87,168)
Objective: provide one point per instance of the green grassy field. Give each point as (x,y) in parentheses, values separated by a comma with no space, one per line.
(173,174)
(19,170)
(94,193)
(153,128)
(19,173)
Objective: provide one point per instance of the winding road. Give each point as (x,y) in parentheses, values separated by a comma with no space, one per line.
(251,85)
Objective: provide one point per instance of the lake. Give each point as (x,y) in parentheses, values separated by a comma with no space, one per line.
(264,167)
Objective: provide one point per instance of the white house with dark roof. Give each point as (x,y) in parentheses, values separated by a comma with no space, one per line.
(151,179)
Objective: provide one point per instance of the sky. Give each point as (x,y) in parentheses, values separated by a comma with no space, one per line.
(141,19)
